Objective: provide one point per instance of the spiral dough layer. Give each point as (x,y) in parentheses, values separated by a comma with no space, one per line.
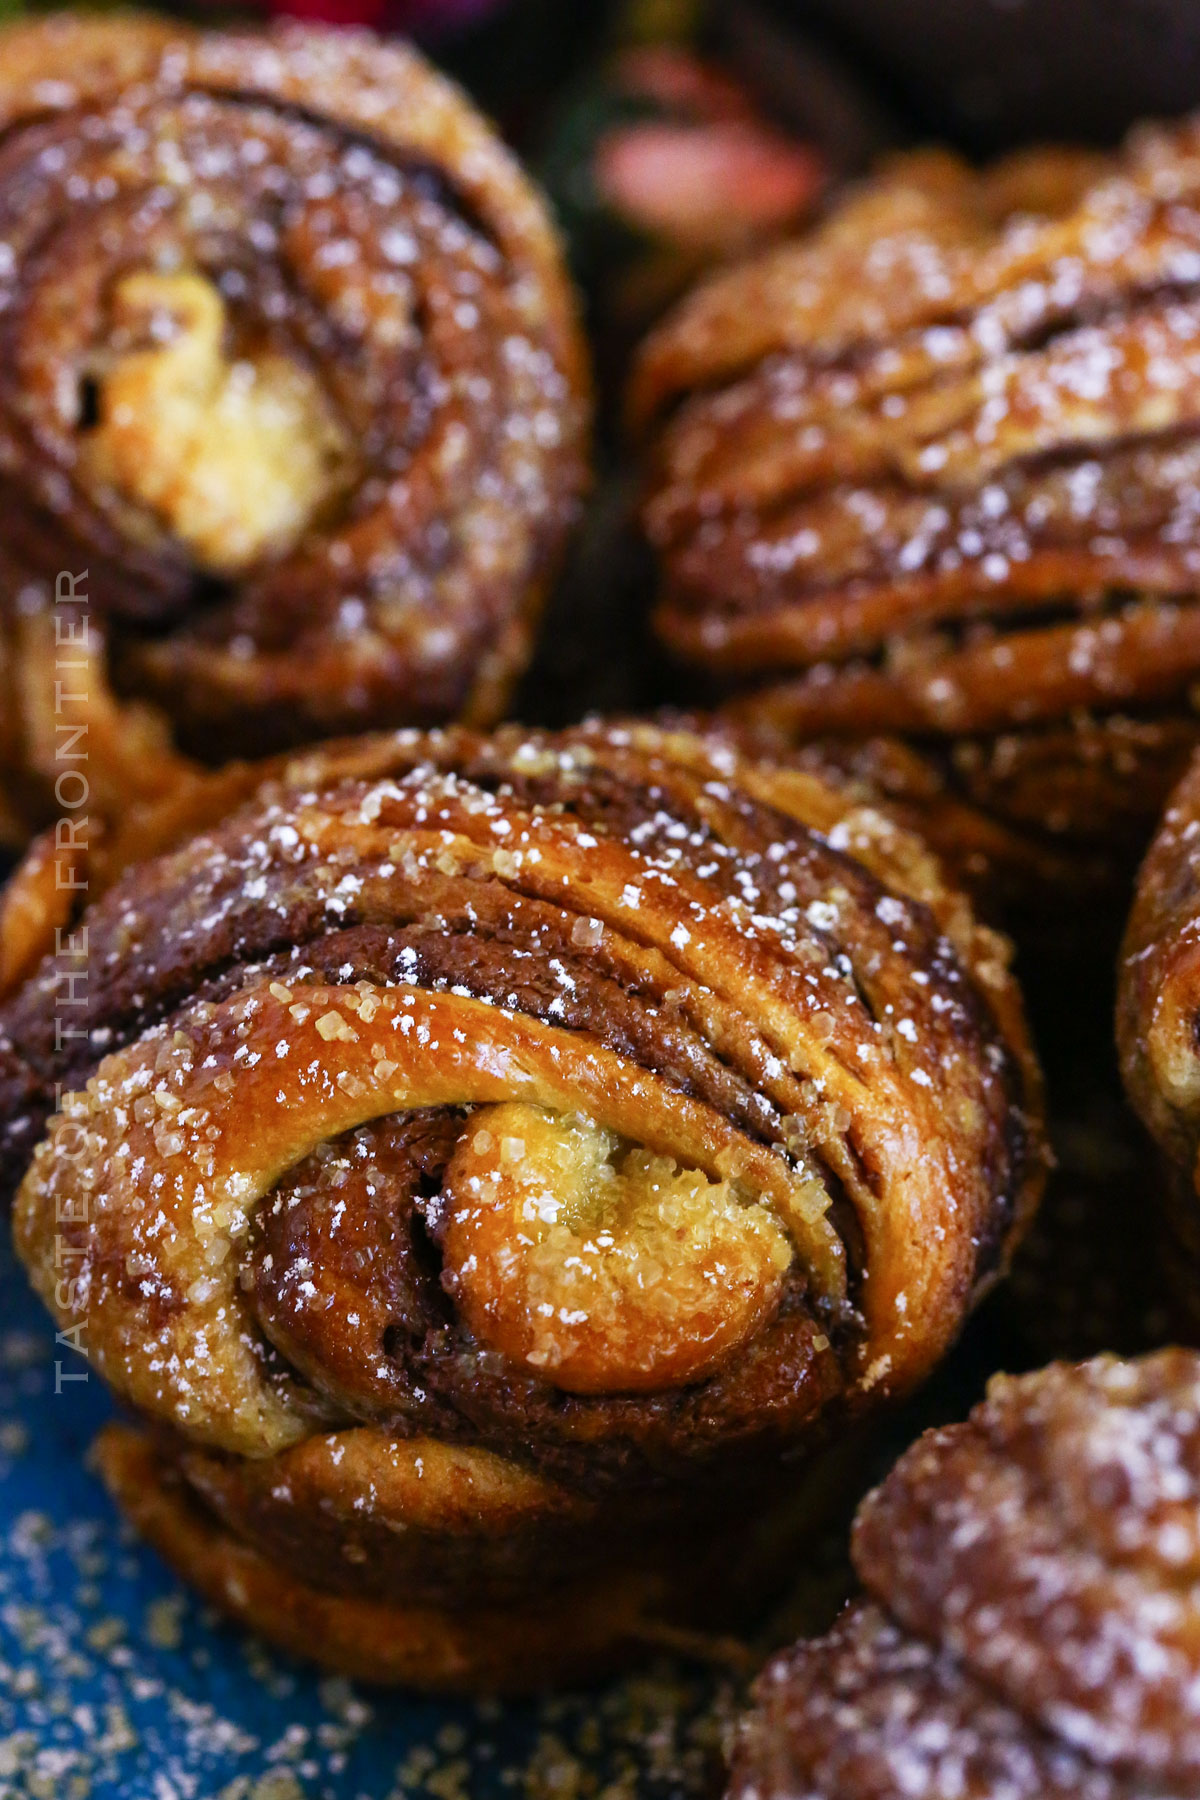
(943,455)
(291,369)
(934,471)
(1032,1621)
(594,1115)
(1035,824)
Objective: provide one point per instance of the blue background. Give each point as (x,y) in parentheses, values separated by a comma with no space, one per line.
(116,1685)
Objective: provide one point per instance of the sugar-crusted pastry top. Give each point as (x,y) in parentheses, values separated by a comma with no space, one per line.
(927,467)
(1031,1620)
(675,1093)
(293,373)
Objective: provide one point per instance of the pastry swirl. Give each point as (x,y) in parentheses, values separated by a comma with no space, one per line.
(291,369)
(934,470)
(1030,1626)
(1030,823)
(608,1106)
(931,472)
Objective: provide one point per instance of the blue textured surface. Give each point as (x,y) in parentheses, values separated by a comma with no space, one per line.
(116,1685)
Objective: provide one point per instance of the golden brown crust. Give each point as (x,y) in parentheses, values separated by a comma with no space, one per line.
(583,1633)
(1052,1544)
(1031,822)
(931,469)
(1159,995)
(605,1103)
(50,64)
(1158,1005)
(870,1712)
(37,905)
(1136,653)
(677,1587)
(1032,1621)
(347,286)
(824,290)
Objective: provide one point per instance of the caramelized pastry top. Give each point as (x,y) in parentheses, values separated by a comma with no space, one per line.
(292,369)
(871,1712)
(1033,824)
(935,453)
(1032,1624)
(1053,1544)
(1159,993)
(607,1098)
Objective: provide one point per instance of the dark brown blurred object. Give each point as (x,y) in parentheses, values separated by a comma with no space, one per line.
(1030,1628)
(1099,1270)
(1096,1271)
(804,82)
(997,71)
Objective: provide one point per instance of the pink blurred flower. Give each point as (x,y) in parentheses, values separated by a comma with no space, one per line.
(710,174)
(707,186)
